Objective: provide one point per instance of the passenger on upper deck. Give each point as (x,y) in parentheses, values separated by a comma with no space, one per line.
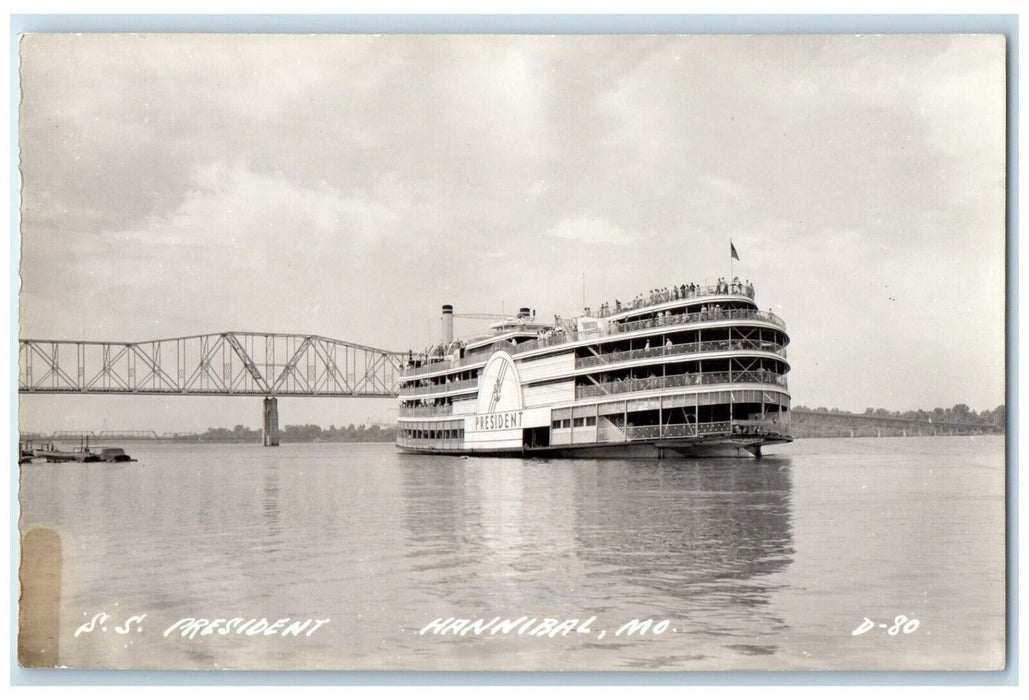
(673,293)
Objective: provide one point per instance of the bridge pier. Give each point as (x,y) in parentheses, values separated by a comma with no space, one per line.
(271,422)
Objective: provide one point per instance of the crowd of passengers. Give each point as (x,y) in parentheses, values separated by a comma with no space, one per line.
(673,293)
(662,318)
(554,335)
(555,332)
(430,403)
(652,381)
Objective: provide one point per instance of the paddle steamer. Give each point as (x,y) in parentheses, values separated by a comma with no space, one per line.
(685,371)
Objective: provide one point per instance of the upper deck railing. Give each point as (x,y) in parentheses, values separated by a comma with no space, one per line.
(430,388)
(680,349)
(679,380)
(613,328)
(713,314)
(683,291)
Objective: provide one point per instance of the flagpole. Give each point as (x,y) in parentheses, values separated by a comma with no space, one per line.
(730,261)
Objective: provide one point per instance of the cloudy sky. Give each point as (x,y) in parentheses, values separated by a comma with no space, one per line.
(349,186)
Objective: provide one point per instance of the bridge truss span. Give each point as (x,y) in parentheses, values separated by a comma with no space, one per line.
(219,364)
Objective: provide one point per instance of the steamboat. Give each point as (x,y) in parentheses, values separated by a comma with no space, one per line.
(686,371)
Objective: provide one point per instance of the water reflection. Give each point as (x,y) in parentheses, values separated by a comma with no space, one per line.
(668,525)
(699,537)
(692,540)
(270,497)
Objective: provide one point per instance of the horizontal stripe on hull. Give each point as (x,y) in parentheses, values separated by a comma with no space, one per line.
(643,449)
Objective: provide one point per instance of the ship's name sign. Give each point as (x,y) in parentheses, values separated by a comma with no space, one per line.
(499,421)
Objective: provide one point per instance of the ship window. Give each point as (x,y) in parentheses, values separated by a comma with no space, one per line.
(579,422)
(591,420)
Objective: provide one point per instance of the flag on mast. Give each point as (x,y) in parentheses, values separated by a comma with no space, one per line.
(732,250)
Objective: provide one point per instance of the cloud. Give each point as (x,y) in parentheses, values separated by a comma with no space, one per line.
(349,185)
(591,229)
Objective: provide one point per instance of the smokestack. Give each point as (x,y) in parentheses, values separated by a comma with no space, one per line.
(448,324)
(523,312)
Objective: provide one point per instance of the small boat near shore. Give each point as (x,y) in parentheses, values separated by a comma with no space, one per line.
(67,456)
(114,454)
(29,453)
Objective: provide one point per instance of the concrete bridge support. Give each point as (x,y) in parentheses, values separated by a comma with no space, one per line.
(271,422)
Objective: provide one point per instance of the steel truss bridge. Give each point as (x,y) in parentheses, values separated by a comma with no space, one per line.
(233,363)
(221,364)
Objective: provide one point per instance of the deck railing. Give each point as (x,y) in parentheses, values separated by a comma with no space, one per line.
(677,380)
(438,443)
(677,294)
(697,316)
(679,349)
(416,389)
(424,411)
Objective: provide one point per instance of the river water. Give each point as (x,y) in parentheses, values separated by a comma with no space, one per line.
(768,564)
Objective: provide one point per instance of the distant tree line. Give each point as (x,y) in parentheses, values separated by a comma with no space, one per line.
(306,433)
(959,413)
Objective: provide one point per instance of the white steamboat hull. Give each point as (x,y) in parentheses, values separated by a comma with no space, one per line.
(656,449)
